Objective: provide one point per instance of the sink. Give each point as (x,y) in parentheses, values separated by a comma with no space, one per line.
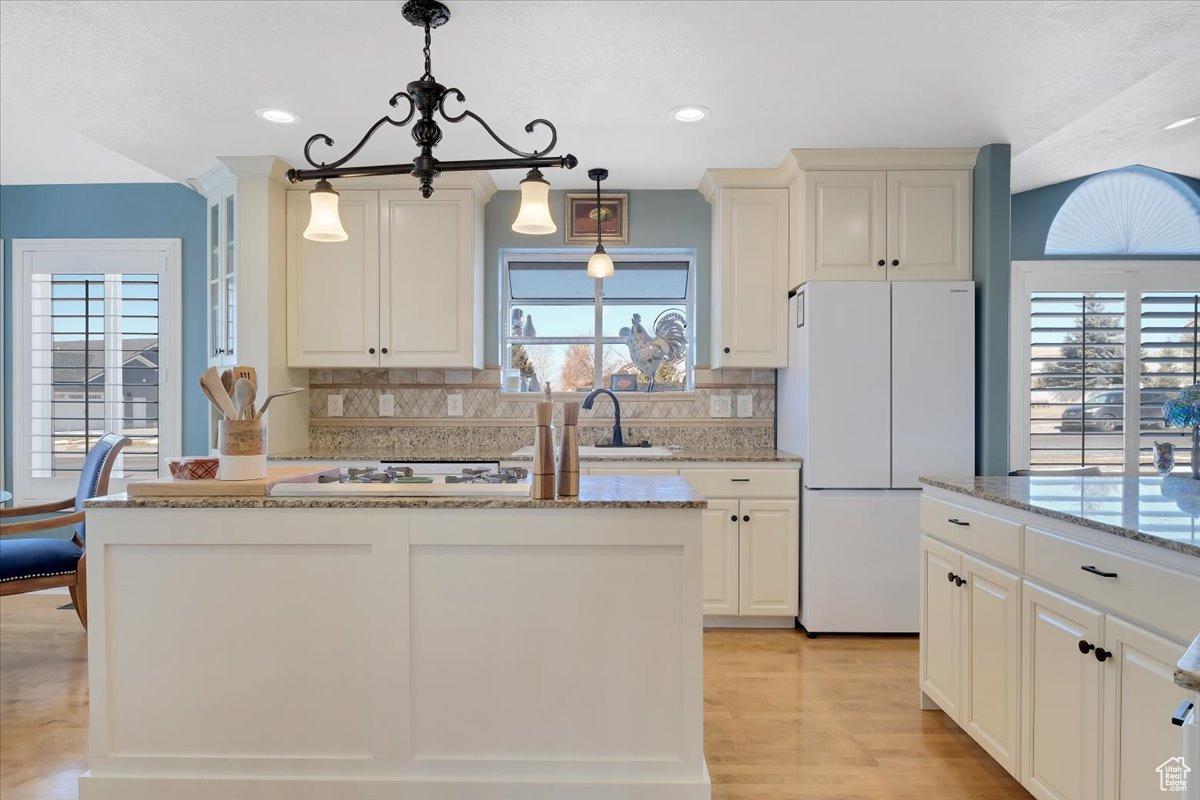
(589,451)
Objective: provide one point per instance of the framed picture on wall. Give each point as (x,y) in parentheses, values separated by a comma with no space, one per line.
(582,218)
(623,382)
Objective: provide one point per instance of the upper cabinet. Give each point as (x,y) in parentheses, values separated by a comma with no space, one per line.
(877,225)
(222,270)
(404,290)
(749,278)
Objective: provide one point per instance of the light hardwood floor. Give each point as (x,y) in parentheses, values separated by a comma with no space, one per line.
(833,718)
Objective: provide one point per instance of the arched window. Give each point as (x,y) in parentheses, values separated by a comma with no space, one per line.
(1129,211)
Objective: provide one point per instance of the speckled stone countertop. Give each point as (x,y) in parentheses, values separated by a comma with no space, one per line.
(1160,511)
(1187,671)
(617,491)
(627,454)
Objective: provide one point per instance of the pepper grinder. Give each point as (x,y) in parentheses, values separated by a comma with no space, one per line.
(543,449)
(568,452)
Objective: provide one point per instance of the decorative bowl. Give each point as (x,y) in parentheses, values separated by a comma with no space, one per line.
(193,469)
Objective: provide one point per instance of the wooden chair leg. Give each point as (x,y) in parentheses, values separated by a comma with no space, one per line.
(79,590)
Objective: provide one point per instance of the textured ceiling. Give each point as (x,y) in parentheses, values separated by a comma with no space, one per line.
(1075,87)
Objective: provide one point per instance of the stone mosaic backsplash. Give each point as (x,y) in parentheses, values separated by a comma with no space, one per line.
(495,420)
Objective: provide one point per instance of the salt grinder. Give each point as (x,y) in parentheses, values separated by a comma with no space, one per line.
(543,449)
(568,452)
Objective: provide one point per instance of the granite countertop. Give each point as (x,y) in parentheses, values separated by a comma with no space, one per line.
(628,454)
(617,491)
(1160,511)
(1187,671)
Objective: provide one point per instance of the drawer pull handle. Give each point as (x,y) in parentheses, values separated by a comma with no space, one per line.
(1085,646)
(1100,572)
(740,480)
(1103,655)
(956,521)
(1181,713)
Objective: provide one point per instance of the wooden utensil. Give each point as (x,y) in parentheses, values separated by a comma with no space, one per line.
(227,381)
(249,373)
(243,398)
(271,397)
(211,381)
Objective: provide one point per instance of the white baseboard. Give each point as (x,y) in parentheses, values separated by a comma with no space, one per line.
(749,622)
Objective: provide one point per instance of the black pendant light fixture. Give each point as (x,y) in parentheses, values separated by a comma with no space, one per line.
(600,265)
(426,97)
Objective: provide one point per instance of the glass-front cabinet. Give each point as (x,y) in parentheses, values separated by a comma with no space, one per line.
(222,275)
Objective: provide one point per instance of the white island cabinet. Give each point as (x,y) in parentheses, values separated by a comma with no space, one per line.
(1053,612)
(367,648)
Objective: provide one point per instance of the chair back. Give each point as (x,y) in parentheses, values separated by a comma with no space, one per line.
(1086,471)
(97,468)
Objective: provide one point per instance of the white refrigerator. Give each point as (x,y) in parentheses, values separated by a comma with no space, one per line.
(879,390)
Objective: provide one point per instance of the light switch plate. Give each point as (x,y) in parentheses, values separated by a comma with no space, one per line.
(745,405)
(454,405)
(719,405)
(333,407)
(387,405)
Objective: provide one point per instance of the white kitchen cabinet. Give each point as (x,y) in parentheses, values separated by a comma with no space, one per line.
(845,226)
(876,225)
(222,225)
(1061,687)
(749,278)
(769,559)
(940,655)
(990,709)
(404,290)
(1139,693)
(333,287)
(929,225)
(719,556)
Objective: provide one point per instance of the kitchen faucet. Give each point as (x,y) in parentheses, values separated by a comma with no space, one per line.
(588,401)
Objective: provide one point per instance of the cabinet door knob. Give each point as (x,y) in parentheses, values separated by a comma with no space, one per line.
(371,350)
(384,351)
(733,518)
(746,518)
(1102,655)
(1085,646)
(950,577)
(881,263)
(895,262)
(959,581)
(726,349)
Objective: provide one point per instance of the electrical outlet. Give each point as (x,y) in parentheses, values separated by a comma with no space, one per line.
(333,406)
(719,405)
(454,405)
(387,405)
(745,405)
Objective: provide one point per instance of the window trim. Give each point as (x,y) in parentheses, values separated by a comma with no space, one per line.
(1131,276)
(27,488)
(618,255)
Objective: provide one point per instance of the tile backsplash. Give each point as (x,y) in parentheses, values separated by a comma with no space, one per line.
(491,419)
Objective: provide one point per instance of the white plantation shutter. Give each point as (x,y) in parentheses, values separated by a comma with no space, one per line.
(97,352)
(1169,362)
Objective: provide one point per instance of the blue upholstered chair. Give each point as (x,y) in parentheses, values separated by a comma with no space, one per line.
(27,565)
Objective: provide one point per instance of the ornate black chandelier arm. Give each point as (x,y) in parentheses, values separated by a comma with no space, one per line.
(460,97)
(321,137)
(564,162)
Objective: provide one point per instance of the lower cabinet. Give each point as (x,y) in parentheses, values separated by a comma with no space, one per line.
(751,558)
(719,552)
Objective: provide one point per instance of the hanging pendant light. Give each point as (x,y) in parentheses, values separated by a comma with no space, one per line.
(534,216)
(426,98)
(600,265)
(324,223)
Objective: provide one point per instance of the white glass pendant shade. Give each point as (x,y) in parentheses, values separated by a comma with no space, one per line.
(600,265)
(324,222)
(534,216)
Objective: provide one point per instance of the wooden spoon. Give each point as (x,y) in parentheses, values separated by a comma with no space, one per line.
(211,381)
(243,398)
(227,381)
(267,402)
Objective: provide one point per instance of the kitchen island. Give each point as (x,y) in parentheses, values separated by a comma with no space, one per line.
(357,648)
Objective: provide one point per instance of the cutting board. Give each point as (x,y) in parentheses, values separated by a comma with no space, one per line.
(260,487)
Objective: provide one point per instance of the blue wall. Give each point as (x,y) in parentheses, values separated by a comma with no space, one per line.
(657,218)
(1033,212)
(993,274)
(114,211)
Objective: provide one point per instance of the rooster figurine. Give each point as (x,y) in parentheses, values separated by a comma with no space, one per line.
(666,346)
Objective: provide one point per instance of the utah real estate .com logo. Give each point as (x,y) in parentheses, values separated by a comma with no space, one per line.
(1172,775)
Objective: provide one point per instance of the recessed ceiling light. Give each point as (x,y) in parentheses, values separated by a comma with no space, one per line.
(1180,123)
(689,113)
(280,115)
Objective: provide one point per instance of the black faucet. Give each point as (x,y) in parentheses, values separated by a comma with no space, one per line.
(588,401)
